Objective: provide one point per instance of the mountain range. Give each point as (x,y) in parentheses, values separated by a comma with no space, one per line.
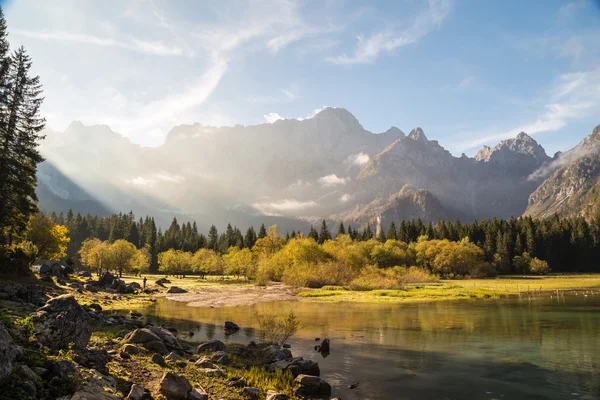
(295,172)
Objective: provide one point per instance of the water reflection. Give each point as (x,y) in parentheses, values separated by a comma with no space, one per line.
(537,348)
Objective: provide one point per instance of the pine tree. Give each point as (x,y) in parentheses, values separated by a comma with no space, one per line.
(213,238)
(313,234)
(262,232)
(324,234)
(391,233)
(20,127)
(341,229)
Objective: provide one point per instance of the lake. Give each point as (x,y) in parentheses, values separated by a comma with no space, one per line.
(543,347)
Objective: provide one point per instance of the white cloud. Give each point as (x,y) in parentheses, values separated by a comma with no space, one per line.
(368,48)
(140,181)
(284,206)
(166,177)
(345,198)
(272,117)
(332,180)
(358,159)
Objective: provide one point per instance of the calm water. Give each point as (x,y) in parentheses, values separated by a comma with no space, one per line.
(539,348)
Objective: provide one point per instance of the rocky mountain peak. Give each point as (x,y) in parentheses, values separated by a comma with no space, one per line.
(521,145)
(395,132)
(339,115)
(418,134)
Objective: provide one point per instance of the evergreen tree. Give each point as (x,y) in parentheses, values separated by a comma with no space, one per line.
(341,229)
(391,233)
(20,127)
(213,238)
(313,233)
(262,232)
(324,234)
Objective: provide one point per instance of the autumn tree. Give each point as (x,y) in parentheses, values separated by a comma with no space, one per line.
(50,240)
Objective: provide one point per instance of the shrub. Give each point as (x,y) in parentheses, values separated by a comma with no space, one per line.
(417,275)
(372,278)
(538,267)
(318,275)
(275,329)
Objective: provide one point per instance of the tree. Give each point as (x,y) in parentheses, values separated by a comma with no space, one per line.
(122,255)
(391,233)
(20,127)
(262,232)
(213,238)
(49,239)
(341,230)
(140,262)
(237,261)
(95,254)
(538,267)
(175,262)
(324,234)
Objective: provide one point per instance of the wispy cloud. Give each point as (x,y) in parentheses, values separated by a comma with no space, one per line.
(285,206)
(138,45)
(358,159)
(369,48)
(575,95)
(272,117)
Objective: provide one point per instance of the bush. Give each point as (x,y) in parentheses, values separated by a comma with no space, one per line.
(278,330)
(372,278)
(417,275)
(318,275)
(538,267)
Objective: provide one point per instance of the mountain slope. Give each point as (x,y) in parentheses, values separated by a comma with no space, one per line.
(573,186)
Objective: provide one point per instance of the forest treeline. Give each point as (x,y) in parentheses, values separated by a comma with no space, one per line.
(567,245)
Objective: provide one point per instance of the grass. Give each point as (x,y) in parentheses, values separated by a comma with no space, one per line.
(459,289)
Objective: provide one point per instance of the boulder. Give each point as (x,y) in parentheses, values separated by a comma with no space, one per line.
(85,274)
(174,387)
(94,359)
(273,395)
(135,313)
(136,285)
(197,394)
(297,366)
(93,393)
(175,289)
(309,385)
(148,339)
(211,346)
(136,393)
(275,353)
(231,326)
(251,393)
(90,287)
(8,352)
(162,281)
(324,347)
(62,321)
(159,360)
(169,340)
(106,280)
(173,357)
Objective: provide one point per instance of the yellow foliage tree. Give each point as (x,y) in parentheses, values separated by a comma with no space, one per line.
(49,239)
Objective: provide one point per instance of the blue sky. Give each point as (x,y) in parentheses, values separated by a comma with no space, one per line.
(469,72)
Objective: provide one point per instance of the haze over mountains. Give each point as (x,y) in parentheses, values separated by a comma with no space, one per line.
(293,172)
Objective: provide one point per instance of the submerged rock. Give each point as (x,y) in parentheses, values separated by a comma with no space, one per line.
(175,289)
(311,386)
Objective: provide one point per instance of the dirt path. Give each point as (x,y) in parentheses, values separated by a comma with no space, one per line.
(233,296)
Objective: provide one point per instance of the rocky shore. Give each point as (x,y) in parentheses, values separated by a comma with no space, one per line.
(64,346)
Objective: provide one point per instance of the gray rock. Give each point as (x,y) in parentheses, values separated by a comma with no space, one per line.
(210,346)
(93,393)
(231,326)
(175,289)
(159,360)
(166,337)
(8,353)
(174,387)
(211,372)
(136,393)
(130,349)
(173,357)
(251,393)
(148,339)
(311,385)
(197,394)
(62,321)
(275,353)
(26,373)
(134,313)
(297,366)
(29,387)
(273,395)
